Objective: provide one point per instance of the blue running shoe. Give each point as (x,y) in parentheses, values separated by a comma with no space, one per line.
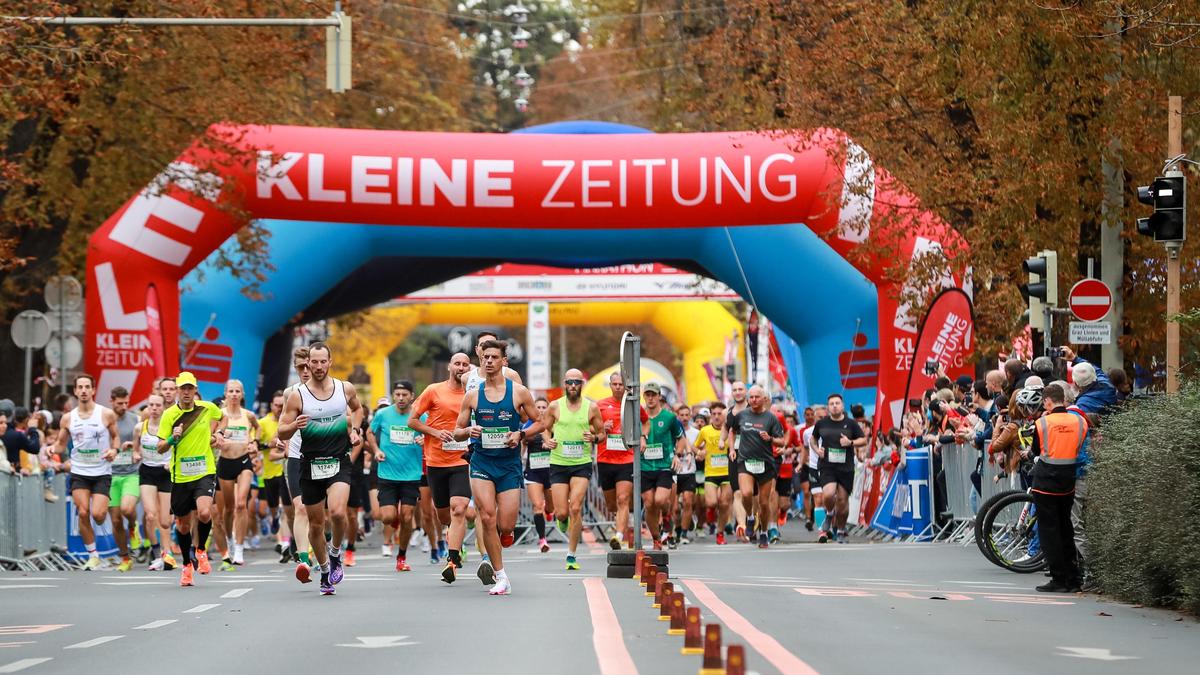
(335,569)
(326,585)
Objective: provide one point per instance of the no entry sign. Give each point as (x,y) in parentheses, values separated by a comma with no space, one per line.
(1090,300)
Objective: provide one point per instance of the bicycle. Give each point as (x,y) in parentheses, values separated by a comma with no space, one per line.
(1005,527)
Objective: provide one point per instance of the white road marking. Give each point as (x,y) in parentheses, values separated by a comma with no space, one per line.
(201,608)
(241,581)
(236,593)
(16,666)
(88,644)
(981,583)
(133,583)
(889,581)
(36,578)
(15,586)
(1094,653)
(380,641)
(155,624)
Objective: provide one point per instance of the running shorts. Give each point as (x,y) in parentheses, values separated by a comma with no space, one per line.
(230,469)
(716,480)
(313,490)
(563,474)
(156,477)
(538,477)
(657,479)
(122,487)
(506,474)
(185,495)
(783,487)
(276,491)
(768,473)
(449,481)
(611,474)
(686,482)
(393,492)
(97,485)
(843,477)
(358,488)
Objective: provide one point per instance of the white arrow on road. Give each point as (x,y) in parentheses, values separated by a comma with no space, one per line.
(1094,653)
(380,641)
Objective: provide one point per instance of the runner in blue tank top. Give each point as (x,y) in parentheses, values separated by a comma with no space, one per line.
(499,407)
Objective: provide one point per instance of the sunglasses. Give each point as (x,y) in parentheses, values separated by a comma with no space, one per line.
(572,382)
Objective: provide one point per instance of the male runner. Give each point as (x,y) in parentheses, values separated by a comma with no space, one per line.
(614,462)
(447,471)
(663,437)
(327,413)
(236,466)
(188,430)
(154,482)
(710,449)
(537,474)
(732,440)
(92,430)
(685,476)
(124,495)
(299,544)
(475,375)
(396,448)
(839,439)
(169,389)
(820,412)
(494,427)
(759,432)
(572,425)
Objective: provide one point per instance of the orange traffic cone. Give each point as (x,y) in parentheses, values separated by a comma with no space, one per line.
(659,579)
(712,663)
(664,605)
(677,614)
(659,584)
(692,642)
(638,559)
(735,660)
(649,569)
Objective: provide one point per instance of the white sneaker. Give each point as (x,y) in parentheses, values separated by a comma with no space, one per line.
(502,587)
(156,565)
(416,538)
(238,555)
(385,550)
(424,544)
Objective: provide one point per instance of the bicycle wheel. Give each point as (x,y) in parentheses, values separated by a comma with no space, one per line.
(1009,528)
(981,541)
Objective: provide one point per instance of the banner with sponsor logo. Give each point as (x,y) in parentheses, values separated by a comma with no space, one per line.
(946,338)
(907,505)
(537,346)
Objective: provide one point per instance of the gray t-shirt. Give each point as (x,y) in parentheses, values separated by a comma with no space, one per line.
(752,446)
(127,429)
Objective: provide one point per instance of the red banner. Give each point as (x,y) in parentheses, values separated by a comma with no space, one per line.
(946,338)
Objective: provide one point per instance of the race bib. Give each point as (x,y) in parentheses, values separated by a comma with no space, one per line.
(237,434)
(539,460)
(654,451)
(455,446)
(325,468)
(150,451)
(193,466)
(837,455)
(123,458)
(755,466)
(493,438)
(399,435)
(718,462)
(86,456)
(573,449)
(616,444)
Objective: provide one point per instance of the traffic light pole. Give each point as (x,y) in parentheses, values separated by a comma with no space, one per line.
(1174,149)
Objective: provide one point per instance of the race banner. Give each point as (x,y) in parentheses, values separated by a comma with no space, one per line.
(907,505)
(946,338)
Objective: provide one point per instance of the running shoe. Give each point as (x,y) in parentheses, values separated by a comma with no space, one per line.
(684,539)
(502,587)
(227,565)
(572,565)
(169,561)
(285,557)
(808,525)
(303,573)
(507,539)
(326,585)
(142,553)
(433,558)
(741,534)
(773,535)
(486,573)
(442,550)
(657,545)
(822,537)
(185,577)
(156,565)
(728,529)
(274,525)
(614,543)
(782,520)
(762,539)
(545,547)
(402,565)
(448,573)
(671,543)
(202,564)
(349,558)
(93,562)
(562,525)
(125,566)
(425,545)
(833,535)
(385,551)
(720,539)
(336,572)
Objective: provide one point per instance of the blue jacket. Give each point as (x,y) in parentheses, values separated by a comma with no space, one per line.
(1100,397)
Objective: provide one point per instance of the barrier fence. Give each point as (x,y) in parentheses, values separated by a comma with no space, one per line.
(33,531)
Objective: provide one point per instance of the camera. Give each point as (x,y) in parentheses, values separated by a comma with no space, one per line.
(931,367)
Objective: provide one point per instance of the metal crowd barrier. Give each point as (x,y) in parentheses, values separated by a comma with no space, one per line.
(33,532)
(958,463)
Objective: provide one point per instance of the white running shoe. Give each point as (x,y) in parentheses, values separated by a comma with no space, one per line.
(386,550)
(417,537)
(156,565)
(239,555)
(502,587)
(424,544)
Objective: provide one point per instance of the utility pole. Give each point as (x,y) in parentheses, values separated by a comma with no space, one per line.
(1112,245)
(1174,149)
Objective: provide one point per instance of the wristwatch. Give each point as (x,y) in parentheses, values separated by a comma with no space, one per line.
(522,434)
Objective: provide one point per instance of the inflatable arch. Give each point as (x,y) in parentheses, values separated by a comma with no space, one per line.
(776,216)
(698,328)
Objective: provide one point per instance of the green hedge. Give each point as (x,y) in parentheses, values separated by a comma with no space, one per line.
(1143,506)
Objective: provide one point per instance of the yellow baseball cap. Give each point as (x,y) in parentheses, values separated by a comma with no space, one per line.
(185,378)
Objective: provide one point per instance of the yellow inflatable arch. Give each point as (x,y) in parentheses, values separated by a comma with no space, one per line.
(697,328)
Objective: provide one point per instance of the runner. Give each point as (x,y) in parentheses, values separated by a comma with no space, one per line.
(275,489)
(434,414)
(732,440)
(802,464)
(92,430)
(299,544)
(685,474)
(614,462)
(760,433)
(475,375)
(572,426)
(154,481)
(359,470)
(836,435)
(494,428)
(537,474)
(124,495)
(188,430)
(239,459)
(397,451)
(663,437)
(327,414)
(710,449)
(785,465)
(169,389)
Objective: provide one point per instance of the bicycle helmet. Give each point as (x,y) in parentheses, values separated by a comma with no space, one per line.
(1029,401)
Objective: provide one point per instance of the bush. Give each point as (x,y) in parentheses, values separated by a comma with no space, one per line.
(1143,502)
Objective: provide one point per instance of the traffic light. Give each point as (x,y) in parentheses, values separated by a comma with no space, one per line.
(1042,287)
(1168,195)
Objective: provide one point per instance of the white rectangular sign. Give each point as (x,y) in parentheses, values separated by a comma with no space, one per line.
(537,346)
(1089,333)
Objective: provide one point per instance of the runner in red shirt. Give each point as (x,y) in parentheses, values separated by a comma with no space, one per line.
(614,462)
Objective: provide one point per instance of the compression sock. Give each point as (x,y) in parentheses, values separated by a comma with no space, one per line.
(202,532)
(455,557)
(539,524)
(185,547)
(155,551)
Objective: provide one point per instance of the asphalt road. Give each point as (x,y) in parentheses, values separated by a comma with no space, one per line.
(797,608)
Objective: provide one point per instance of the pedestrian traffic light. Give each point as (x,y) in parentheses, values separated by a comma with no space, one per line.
(1042,287)
(1168,195)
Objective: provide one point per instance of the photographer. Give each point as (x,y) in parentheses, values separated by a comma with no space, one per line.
(1096,392)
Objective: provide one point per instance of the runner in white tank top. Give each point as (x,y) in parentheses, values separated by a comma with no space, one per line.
(92,431)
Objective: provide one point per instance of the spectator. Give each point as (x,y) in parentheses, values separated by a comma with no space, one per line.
(1043,367)
(995,382)
(17,438)
(1120,382)
(1096,393)
(963,386)
(1016,372)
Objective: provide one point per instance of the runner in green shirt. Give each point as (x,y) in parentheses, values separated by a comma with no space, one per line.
(664,436)
(573,424)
